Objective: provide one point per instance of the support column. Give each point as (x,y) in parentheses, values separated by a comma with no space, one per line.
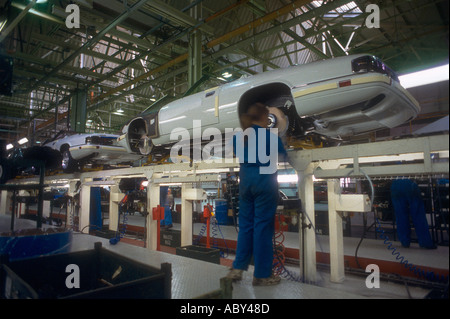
(115,197)
(85,203)
(4,202)
(301,162)
(195,50)
(307,227)
(78,112)
(70,209)
(336,234)
(152,225)
(186,216)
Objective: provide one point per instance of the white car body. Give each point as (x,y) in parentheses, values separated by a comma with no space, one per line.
(333,98)
(102,148)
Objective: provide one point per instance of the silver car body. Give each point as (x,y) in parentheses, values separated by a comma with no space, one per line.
(339,96)
(95,147)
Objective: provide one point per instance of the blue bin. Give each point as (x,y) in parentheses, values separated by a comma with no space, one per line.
(221,212)
(23,247)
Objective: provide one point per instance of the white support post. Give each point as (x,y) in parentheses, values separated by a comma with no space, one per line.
(152,225)
(186,216)
(307,228)
(4,202)
(85,205)
(301,162)
(70,209)
(114,199)
(336,234)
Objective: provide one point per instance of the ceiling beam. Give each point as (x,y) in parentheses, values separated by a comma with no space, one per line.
(175,15)
(16,21)
(91,41)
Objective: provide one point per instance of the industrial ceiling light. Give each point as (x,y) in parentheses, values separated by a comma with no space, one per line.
(9,146)
(429,76)
(23,141)
(227,75)
(3,21)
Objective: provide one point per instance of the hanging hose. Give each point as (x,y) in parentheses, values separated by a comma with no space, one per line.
(215,230)
(215,227)
(278,267)
(70,204)
(124,224)
(278,252)
(200,235)
(428,275)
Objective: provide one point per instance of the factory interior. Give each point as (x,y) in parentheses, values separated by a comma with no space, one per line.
(94,203)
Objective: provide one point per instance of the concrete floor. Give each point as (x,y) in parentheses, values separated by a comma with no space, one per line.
(192,278)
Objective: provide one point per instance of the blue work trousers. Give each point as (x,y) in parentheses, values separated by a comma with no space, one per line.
(167,216)
(258,199)
(407,202)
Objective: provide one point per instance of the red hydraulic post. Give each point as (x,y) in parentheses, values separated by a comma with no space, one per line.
(207,215)
(158,214)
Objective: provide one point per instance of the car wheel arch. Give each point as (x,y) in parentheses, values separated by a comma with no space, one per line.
(64,147)
(263,93)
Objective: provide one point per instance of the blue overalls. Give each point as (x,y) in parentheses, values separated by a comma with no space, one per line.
(407,201)
(258,199)
(163,199)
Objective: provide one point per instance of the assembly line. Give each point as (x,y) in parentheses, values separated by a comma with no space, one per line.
(198,150)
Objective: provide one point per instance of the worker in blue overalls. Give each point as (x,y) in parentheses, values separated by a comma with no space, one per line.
(258,196)
(166,198)
(407,202)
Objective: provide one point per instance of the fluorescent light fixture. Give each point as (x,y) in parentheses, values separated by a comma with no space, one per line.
(119,111)
(429,76)
(170,184)
(227,75)
(23,141)
(9,146)
(3,23)
(289,178)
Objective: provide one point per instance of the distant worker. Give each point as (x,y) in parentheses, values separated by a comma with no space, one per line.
(258,197)
(168,206)
(407,202)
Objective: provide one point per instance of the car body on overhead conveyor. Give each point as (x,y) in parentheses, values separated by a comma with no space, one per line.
(333,98)
(78,149)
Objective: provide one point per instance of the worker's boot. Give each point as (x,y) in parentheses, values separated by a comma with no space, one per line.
(270,281)
(235,274)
